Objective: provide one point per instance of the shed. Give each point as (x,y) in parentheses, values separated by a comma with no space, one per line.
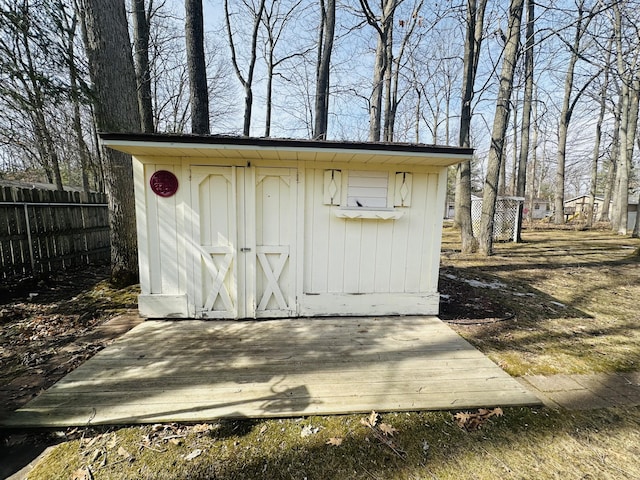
(237,227)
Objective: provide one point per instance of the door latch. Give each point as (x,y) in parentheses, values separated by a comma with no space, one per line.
(245,249)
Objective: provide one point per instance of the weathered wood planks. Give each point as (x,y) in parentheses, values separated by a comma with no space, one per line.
(199,370)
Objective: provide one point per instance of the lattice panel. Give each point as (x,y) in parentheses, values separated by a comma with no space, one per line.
(505,219)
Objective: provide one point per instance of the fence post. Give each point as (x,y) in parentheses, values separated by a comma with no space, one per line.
(28,225)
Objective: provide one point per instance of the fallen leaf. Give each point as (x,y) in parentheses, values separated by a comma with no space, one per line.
(201,428)
(473,421)
(371,421)
(196,453)
(113,441)
(335,441)
(387,429)
(373,418)
(123,453)
(263,429)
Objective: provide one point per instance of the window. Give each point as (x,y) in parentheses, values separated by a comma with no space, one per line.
(367,189)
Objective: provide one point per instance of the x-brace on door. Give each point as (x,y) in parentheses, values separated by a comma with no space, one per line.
(243,242)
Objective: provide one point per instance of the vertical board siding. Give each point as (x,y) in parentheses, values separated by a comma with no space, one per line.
(43,231)
(368,255)
(162,235)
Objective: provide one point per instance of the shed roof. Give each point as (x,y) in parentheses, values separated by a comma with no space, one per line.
(172,145)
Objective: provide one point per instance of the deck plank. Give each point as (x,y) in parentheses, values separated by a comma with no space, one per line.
(202,370)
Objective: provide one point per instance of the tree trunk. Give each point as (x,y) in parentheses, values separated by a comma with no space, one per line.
(383,24)
(521,182)
(325,49)
(375,107)
(514,150)
(141,56)
(113,76)
(627,65)
(534,161)
(473,40)
(593,181)
(501,119)
(199,91)
(605,214)
(83,151)
(567,111)
(37,96)
(247,83)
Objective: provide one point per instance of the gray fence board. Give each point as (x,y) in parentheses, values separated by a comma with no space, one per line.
(43,231)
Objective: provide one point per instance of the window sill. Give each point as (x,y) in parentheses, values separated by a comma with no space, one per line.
(375,214)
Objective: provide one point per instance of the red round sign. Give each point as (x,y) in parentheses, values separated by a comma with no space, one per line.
(164,183)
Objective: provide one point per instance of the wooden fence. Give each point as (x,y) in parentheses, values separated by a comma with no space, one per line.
(43,231)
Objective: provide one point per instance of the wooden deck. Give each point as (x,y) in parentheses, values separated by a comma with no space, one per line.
(189,370)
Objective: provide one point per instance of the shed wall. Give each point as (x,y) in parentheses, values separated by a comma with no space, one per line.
(347,266)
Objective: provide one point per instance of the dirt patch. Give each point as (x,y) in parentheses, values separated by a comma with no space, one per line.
(46,326)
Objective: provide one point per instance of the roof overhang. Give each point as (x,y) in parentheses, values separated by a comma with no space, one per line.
(207,146)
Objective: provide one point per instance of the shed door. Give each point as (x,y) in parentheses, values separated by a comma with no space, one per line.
(244,241)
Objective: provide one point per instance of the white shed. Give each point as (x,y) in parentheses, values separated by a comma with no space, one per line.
(255,228)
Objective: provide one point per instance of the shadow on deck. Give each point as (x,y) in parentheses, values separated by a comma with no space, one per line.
(189,371)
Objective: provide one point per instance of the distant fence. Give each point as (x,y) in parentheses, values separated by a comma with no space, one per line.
(43,231)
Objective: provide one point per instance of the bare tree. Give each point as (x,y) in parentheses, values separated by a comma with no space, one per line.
(593,183)
(275,17)
(199,92)
(326,34)
(521,183)
(112,73)
(382,22)
(500,121)
(627,57)
(569,104)
(70,25)
(472,43)
(141,31)
(30,77)
(256,12)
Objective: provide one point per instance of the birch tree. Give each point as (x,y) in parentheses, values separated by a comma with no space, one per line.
(500,121)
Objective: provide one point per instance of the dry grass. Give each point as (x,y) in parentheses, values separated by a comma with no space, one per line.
(569,303)
(523,444)
(574,296)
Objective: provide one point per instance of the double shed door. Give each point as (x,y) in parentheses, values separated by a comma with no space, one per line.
(244,231)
